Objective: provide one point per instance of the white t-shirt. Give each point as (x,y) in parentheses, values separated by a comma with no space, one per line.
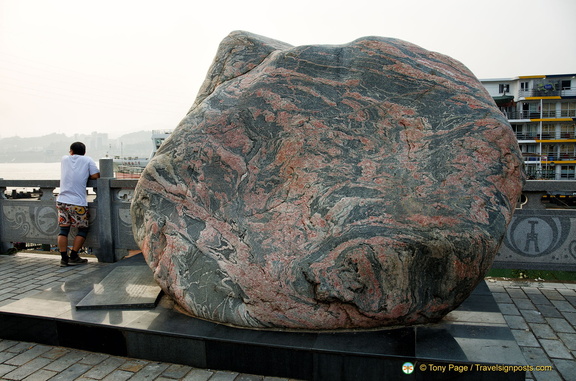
(75,170)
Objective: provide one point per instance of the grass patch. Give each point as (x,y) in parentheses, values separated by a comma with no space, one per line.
(543,275)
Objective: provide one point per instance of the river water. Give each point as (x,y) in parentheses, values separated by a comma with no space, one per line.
(30,171)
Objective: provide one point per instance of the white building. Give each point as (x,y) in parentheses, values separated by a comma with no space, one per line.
(542,112)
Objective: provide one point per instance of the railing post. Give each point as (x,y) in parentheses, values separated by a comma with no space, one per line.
(106,168)
(105,252)
(4,246)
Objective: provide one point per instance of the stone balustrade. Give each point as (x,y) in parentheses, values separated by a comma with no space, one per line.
(538,237)
(541,237)
(35,220)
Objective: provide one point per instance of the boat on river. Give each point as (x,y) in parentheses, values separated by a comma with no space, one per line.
(132,167)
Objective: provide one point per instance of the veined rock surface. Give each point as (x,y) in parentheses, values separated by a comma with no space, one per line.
(323,187)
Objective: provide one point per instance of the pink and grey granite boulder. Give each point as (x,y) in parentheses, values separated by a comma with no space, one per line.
(329,187)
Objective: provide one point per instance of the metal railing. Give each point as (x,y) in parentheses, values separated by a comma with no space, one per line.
(526,135)
(544,136)
(543,91)
(511,115)
(546,114)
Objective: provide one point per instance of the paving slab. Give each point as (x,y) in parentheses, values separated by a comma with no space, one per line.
(126,287)
(526,326)
(543,331)
(560,325)
(532,316)
(509,309)
(474,333)
(525,338)
(516,322)
(567,368)
(548,311)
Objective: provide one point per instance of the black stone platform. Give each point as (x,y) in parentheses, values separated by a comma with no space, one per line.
(471,343)
(125,287)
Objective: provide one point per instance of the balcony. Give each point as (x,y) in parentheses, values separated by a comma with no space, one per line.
(519,115)
(547,90)
(557,136)
(559,114)
(510,115)
(553,156)
(548,157)
(526,135)
(563,157)
(545,136)
(558,157)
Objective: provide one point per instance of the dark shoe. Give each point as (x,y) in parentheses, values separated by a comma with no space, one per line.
(77,261)
(63,263)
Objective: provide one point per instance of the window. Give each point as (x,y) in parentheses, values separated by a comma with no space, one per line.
(530,152)
(532,130)
(503,88)
(549,110)
(531,172)
(530,110)
(548,172)
(566,84)
(548,131)
(568,171)
(528,148)
(524,86)
(567,151)
(567,130)
(568,109)
(526,131)
(549,152)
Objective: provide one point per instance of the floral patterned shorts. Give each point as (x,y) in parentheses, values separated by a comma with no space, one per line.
(72,215)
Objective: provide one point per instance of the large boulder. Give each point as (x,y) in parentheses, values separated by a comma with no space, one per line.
(329,187)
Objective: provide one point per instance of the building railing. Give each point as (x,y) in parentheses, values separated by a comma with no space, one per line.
(526,135)
(554,156)
(544,136)
(551,114)
(545,91)
(550,158)
(511,115)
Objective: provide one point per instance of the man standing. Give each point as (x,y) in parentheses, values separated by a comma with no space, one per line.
(72,204)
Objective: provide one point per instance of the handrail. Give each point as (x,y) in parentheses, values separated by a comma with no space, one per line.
(543,92)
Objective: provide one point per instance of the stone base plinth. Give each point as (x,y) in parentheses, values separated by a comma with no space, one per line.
(460,347)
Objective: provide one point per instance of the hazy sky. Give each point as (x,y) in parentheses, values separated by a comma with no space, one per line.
(119,66)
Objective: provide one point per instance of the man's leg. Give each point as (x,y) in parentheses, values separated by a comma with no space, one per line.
(63,238)
(77,216)
(78,242)
(77,245)
(63,244)
(64,223)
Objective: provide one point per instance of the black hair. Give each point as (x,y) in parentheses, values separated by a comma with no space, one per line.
(78,148)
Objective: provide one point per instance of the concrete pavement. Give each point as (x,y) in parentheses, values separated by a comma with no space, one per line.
(541,315)
(25,274)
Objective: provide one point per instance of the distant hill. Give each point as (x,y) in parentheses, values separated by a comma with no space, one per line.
(50,148)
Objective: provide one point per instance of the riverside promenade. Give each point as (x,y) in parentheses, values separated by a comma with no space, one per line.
(25,274)
(541,315)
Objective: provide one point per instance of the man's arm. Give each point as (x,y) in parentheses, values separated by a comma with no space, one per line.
(94,176)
